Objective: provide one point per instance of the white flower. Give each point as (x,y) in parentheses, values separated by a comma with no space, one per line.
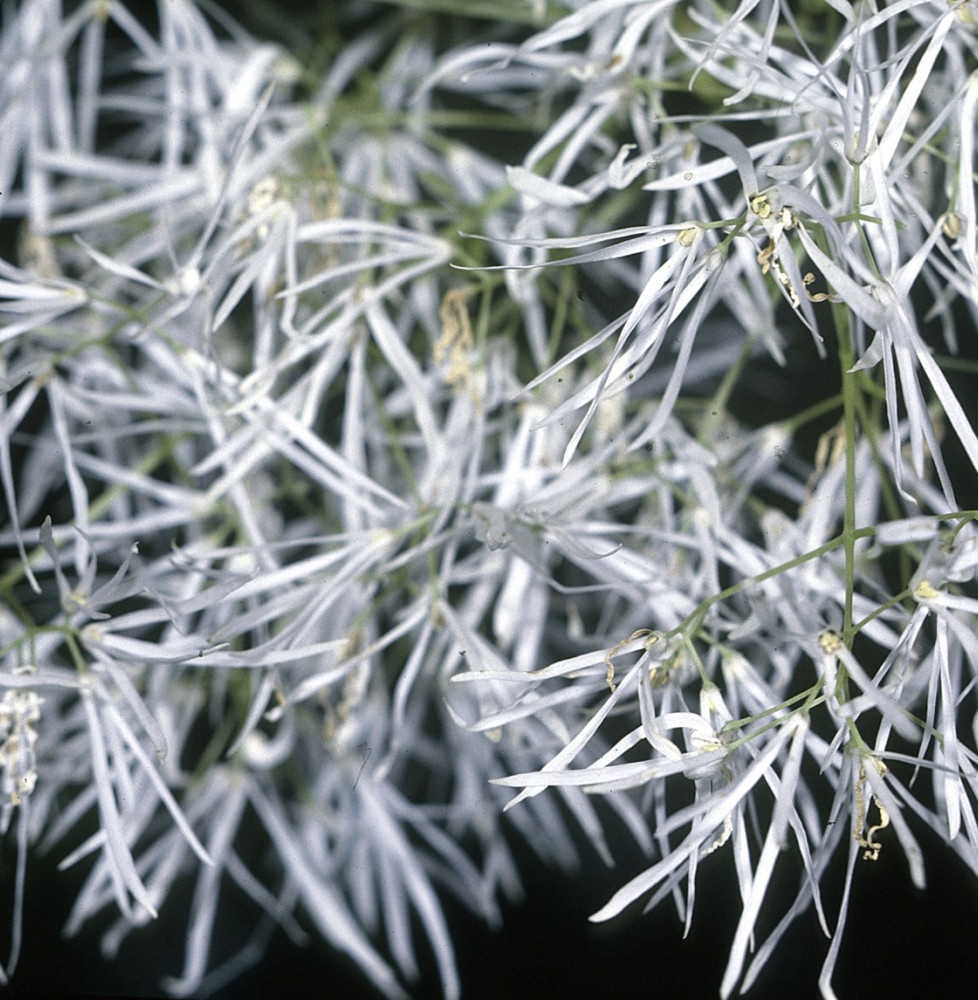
(379,438)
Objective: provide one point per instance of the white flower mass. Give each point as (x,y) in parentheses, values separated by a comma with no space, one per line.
(422,440)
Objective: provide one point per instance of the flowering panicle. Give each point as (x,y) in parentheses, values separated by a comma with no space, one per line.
(382,433)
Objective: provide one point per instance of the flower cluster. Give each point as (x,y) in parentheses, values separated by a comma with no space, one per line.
(382,432)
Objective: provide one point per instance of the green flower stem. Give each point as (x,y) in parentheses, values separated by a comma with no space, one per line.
(850,404)
(691,623)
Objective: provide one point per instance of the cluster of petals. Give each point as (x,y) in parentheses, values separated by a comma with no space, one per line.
(356,470)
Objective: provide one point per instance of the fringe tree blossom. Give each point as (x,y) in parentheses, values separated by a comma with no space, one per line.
(429,414)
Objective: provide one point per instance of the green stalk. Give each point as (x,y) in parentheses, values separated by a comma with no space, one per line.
(850,403)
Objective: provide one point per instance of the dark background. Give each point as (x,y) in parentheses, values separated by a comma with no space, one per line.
(899,943)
